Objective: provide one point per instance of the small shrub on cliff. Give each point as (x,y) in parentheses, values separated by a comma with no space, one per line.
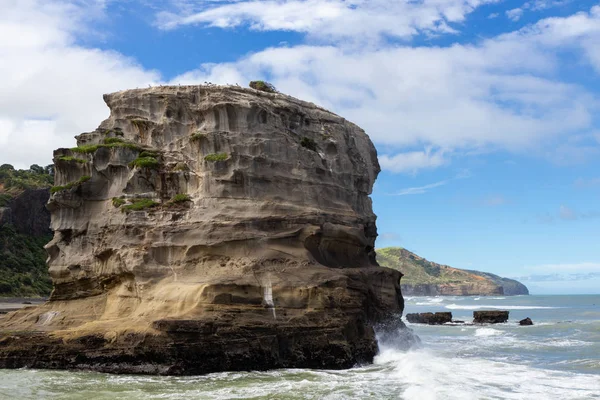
(308,143)
(70,185)
(111,140)
(197,136)
(91,148)
(71,158)
(145,162)
(216,157)
(181,198)
(139,205)
(148,153)
(263,86)
(5,198)
(118,202)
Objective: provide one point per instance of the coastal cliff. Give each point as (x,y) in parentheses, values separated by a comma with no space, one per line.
(24,230)
(206,228)
(426,278)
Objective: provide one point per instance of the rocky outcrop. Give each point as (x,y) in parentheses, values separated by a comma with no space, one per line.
(429,318)
(526,322)
(490,317)
(426,278)
(206,228)
(510,287)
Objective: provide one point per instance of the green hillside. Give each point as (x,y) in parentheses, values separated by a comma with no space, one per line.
(24,230)
(423,277)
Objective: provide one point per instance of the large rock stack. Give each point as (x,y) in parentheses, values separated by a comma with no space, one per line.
(206,228)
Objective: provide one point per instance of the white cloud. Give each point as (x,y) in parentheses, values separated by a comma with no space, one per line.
(566,213)
(412,161)
(582,267)
(535,5)
(328,19)
(502,93)
(420,189)
(52,88)
(515,14)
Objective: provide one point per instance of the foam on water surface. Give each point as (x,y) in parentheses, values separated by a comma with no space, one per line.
(556,358)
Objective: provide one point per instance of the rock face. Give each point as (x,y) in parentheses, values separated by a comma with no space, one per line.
(427,278)
(510,287)
(27,213)
(429,318)
(204,229)
(490,317)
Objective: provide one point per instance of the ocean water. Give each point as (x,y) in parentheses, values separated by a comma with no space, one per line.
(557,358)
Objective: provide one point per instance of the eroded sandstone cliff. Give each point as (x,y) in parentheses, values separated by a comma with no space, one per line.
(206,228)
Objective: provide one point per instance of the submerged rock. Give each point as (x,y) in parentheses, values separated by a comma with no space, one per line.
(526,321)
(203,229)
(490,317)
(429,318)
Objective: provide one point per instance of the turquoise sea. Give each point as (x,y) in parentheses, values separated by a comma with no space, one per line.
(557,358)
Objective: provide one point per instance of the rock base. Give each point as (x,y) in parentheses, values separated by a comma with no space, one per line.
(490,317)
(429,318)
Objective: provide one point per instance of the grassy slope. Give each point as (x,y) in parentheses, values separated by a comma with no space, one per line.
(23,270)
(418,270)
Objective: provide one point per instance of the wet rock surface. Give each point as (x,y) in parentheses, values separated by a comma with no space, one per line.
(490,317)
(429,318)
(525,322)
(204,228)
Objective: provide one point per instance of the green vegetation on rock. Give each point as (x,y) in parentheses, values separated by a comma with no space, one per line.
(216,157)
(15,181)
(139,205)
(23,270)
(145,162)
(308,143)
(70,185)
(181,198)
(71,158)
(443,279)
(112,140)
(5,198)
(198,136)
(91,148)
(118,202)
(148,153)
(263,86)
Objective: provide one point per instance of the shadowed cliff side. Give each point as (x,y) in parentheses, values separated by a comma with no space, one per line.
(205,228)
(426,278)
(24,230)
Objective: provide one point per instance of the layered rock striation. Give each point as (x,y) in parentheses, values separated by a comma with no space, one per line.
(206,228)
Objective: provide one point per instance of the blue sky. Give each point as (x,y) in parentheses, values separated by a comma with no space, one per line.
(483,112)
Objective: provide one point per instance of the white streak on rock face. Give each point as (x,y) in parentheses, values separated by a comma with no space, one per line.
(45,318)
(268,297)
